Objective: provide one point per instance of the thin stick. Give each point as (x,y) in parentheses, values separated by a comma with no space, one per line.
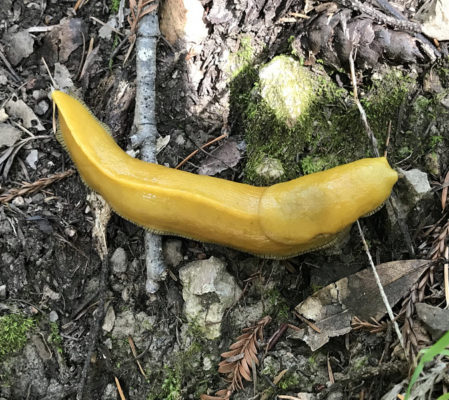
(193,153)
(381,290)
(49,73)
(119,388)
(387,142)
(78,4)
(306,321)
(146,131)
(359,105)
(392,200)
(446,275)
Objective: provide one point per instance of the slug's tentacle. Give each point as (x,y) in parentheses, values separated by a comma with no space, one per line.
(279,221)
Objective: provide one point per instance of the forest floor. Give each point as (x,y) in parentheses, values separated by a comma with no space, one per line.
(51,278)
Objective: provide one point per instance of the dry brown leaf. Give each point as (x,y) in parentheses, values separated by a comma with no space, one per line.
(240,360)
(244,370)
(231,353)
(238,345)
(225,368)
(244,336)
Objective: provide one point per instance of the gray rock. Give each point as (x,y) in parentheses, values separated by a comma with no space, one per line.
(32,158)
(8,135)
(18,201)
(135,325)
(417,182)
(436,319)
(20,46)
(433,16)
(53,316)
(109,319)
(110,392)
(62,77)
(414,195)
(41,108)
(48,293)
(106,30)
(172,252)
(119,261)
(445,101)
(252,312)
(208,289)
(18,108)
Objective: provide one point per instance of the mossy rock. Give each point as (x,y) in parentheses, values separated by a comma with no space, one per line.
(306,122)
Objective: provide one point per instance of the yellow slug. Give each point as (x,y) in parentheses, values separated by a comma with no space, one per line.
(278,221)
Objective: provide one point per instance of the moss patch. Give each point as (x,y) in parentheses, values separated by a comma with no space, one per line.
(13,333)
(169,381)
(328,131)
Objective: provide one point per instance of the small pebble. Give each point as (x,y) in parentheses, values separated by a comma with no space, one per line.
(18,201)
(53,316)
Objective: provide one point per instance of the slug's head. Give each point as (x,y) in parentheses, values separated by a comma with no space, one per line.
(323,204)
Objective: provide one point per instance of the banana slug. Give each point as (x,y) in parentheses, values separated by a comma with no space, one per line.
(278,221)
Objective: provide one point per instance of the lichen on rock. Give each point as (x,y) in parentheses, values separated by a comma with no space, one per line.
(208,290)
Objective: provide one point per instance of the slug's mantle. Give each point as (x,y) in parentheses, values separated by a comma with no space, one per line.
(278,221)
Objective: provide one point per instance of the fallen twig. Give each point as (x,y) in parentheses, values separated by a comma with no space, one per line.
(381,289)
(193,153)
(359,105)
(146,130)
(29,188)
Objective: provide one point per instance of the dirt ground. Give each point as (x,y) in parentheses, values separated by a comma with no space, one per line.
(50,272)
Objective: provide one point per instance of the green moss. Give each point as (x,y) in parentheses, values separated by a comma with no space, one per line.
(315,287)
(168,382)
(385,100)
(329,132)
(243,58)
(55,337)
(278,307)
(171,386)
(359,363)
(311,164)
(115,4)
(320,129)
(13,333)
(289,381)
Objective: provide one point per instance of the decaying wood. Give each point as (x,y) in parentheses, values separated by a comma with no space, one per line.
(325,38)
